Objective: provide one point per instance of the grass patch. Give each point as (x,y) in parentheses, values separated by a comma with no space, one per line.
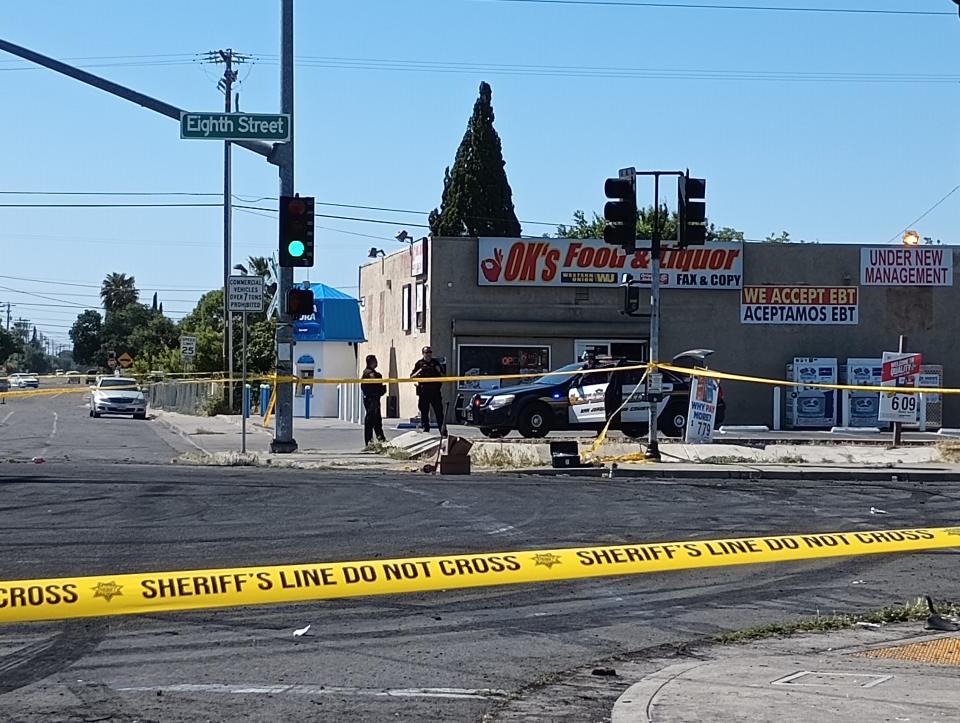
(949,451)
(387,450)
(498,456)
(909,612)
(221,459)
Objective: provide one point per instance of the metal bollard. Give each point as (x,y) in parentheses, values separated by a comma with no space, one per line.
(307,397)
(247,400)
(264,399)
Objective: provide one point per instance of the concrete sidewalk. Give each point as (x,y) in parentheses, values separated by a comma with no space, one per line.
(323,443)
(860,674)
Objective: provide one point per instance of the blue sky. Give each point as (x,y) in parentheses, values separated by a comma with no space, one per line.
(824,159)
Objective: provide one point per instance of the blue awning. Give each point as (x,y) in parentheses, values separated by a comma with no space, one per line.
(336,317)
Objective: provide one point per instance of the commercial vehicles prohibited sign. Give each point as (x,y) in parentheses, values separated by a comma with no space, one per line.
(900,370)
(246,293)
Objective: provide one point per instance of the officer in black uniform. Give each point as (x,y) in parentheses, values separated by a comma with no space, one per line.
(373,420)
(429,393)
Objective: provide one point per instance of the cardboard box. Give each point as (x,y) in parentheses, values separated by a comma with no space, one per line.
(454,464)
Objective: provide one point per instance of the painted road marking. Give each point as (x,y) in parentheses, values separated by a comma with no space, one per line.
(241,689)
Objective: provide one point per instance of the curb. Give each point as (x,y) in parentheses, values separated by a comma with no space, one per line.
(179,432)
(791,475)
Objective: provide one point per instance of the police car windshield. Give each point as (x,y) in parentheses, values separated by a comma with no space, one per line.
(555,378)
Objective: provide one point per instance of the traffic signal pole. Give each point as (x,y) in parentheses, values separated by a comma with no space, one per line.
(283,441)
(653,445)
(279,154)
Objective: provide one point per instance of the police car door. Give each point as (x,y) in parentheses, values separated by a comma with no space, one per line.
(635,411)
(586,399)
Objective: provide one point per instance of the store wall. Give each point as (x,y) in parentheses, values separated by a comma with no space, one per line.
(691,318)
(397,349)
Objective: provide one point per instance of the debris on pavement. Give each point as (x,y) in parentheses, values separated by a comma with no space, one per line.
(604,671)
(864,624)
(877,511)
(300,632)
(37,460)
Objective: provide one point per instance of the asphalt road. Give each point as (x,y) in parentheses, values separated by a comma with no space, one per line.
(56,426)
(456,655)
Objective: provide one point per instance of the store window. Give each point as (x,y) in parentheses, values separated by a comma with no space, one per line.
(493,360)
(405,304)
(616,348)
(421,317)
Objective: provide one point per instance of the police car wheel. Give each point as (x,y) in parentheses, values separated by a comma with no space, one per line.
(674,422)
(635,431)
(495,432)
(534,421)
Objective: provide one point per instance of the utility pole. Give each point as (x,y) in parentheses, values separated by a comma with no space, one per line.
(8,316)
(283,440)
(227,57)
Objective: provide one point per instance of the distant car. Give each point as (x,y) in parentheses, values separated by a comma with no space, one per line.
(118,395)
(73,377)
(576,397)
(4,384)
(91,377)
(58,372)
(24,380)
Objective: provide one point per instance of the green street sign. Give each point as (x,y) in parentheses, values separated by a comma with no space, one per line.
(235,126)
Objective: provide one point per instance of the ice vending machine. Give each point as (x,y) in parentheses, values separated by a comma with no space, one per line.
(812,408)
(863,408)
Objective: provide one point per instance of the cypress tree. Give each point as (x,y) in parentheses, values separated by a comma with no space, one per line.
(477,200)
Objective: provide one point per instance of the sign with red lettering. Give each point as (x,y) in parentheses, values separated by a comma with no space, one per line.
(906,266)
(899,365)
(588,262)
(799,305)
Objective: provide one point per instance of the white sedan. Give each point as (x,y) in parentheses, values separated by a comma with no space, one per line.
(117,395)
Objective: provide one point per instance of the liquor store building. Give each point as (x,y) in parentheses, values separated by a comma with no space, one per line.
(501,305)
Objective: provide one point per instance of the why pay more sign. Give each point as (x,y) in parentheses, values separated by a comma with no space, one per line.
(811,305)
(906,266)
(578,262)
(702,414)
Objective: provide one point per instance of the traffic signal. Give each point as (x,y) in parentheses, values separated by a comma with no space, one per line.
(631,295)
(621,213)
(300,303)
(631,300)
(691,211)
(296,231)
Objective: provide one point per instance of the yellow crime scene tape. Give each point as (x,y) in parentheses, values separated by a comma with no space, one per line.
(156,592)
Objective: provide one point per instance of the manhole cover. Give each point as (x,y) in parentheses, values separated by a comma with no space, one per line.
(833,680)
(943,651)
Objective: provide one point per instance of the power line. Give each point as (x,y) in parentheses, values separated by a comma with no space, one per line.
(389,64)
(922,216)
(98,286)
(744,8)
(379,64)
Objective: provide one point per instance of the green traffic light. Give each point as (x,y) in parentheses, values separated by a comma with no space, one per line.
(296,249)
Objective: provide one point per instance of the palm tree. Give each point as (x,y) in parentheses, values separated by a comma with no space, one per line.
(260,266)
(118,291)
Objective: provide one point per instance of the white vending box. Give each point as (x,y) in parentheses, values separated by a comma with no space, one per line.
(864,407)
(811,408)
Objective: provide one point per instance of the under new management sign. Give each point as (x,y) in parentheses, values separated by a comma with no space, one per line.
(235,126)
